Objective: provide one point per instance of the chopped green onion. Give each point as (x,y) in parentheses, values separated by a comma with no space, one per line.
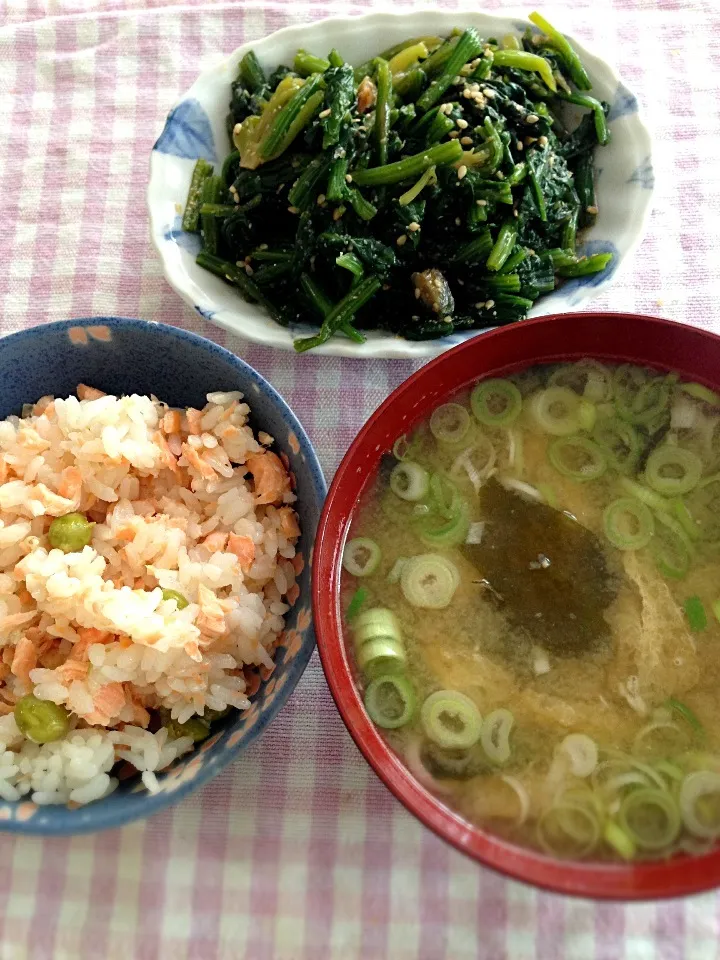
(670,770)
(556,411)
(620,442)
(449,423)
(577,457)
(587,414)
(376,623)
(683,516)
(429,581)
(699,392)
(701,818)
(703,507)
(181,600)
(396,570)
(569,829)
(495,735)
(361,557)
(451,720)
(671,547)
(378,657)
(582,752)
(673,471)
(390,701)
(496,403)
(588,378)
(628,524)
(650,818)
(645,495)
(453,513)
(695,613)
(409,481)
(645,403)
(621,843)
(682,710)
(356,603)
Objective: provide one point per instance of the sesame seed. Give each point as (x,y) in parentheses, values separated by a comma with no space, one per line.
(415,317)
(487,52)
(467,94)
(515,213)
(348,178)
(592,209)
(461,282)
(489,304)
(338,212)
(532,118)
(530,140)
(293,210)
(479,306)
(325,113)
(487,92)
(481,203)
(401,240)
(236,128)
(466,140)
(447,319)
(417,293)
(543,141)
(519,145)
(386,287)
(412,227)
(321,199)
(458,221)
(454,134)
(462,170)
(500,175)
(457,81)
(463,124)
(249,270)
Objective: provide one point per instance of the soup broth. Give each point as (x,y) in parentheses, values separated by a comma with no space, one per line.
(531,588)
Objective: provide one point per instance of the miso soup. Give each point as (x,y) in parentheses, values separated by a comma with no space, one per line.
(532,590)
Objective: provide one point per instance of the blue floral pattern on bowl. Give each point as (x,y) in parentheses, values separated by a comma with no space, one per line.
(187,133)
(125,356)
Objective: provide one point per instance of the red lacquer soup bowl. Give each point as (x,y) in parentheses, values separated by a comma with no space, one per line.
(695,355)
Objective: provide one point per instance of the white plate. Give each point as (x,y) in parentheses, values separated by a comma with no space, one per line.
(195,127)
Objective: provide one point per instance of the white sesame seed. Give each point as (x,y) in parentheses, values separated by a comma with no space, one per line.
(519,145)
(592,209)
(489,304)
(415,317)
(348,178)
(463,124)
(487,92)
(325,113)
(338,212)
(417,293)
(249,270)
(479,306)
(263,246)
(412,227)
(401,240)
(487,52)
(454,134)
(515,213)
(458,221)
(293,210)
(467,94)
(457,81)
(481,203)
(446,320)
(532,118)
(462,170)
(500,175)
(466,141)
(543,141)
(321,199)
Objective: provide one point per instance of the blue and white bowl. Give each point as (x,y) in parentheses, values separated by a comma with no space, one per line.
(135,356)
(195,127)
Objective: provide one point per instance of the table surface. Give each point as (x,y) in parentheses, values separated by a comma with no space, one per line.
(297,851)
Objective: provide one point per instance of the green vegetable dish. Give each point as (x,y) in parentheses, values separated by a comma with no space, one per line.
(531,589)
(439,186)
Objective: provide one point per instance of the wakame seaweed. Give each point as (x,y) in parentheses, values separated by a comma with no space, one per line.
(435,188)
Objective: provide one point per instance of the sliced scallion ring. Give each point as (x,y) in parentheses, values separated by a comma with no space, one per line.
(361,557)
(628,524)
(700,804)
(475,463)
(409,481)
(569,829)
(645,404)
(700,392)
(650,818)
(582,752)
(495,735)
(673,471)
(647,496)
(621,843)
(671,547)
(450,423)
(496,403)
(390,701)
(429,581)
(620,442)
(556,411)
(703,507)
(377,623)
(577,457)
(587,378)
(451,720)
(382,656)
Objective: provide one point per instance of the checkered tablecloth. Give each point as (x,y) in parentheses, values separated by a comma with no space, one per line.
(297,852)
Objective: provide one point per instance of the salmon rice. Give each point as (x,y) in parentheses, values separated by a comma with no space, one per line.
(147,561)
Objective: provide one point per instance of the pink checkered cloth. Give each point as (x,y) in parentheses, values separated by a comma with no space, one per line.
(298,852)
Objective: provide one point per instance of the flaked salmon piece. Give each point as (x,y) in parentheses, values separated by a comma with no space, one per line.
(16,620)
(70,485)
(289,525)
(72,670)
(4,671)
(5,709)
(168,457)
(292,594)
(172,422)
(85,392)
(298,562)
(229,412)
(215,541)
(54,504)
(42,405)
(244,550)
(24,659)
(194,420)
(196,461)
(108,701)
(212,615)
(271,479)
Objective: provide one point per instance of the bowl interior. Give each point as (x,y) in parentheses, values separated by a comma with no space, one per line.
(692,353)
(196,128)
(133,356)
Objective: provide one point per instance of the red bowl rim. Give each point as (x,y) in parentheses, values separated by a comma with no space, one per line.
(608,881)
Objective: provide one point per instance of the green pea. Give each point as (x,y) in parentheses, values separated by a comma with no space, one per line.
(70,533)
(195,727)
(179,599)
(41,720)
